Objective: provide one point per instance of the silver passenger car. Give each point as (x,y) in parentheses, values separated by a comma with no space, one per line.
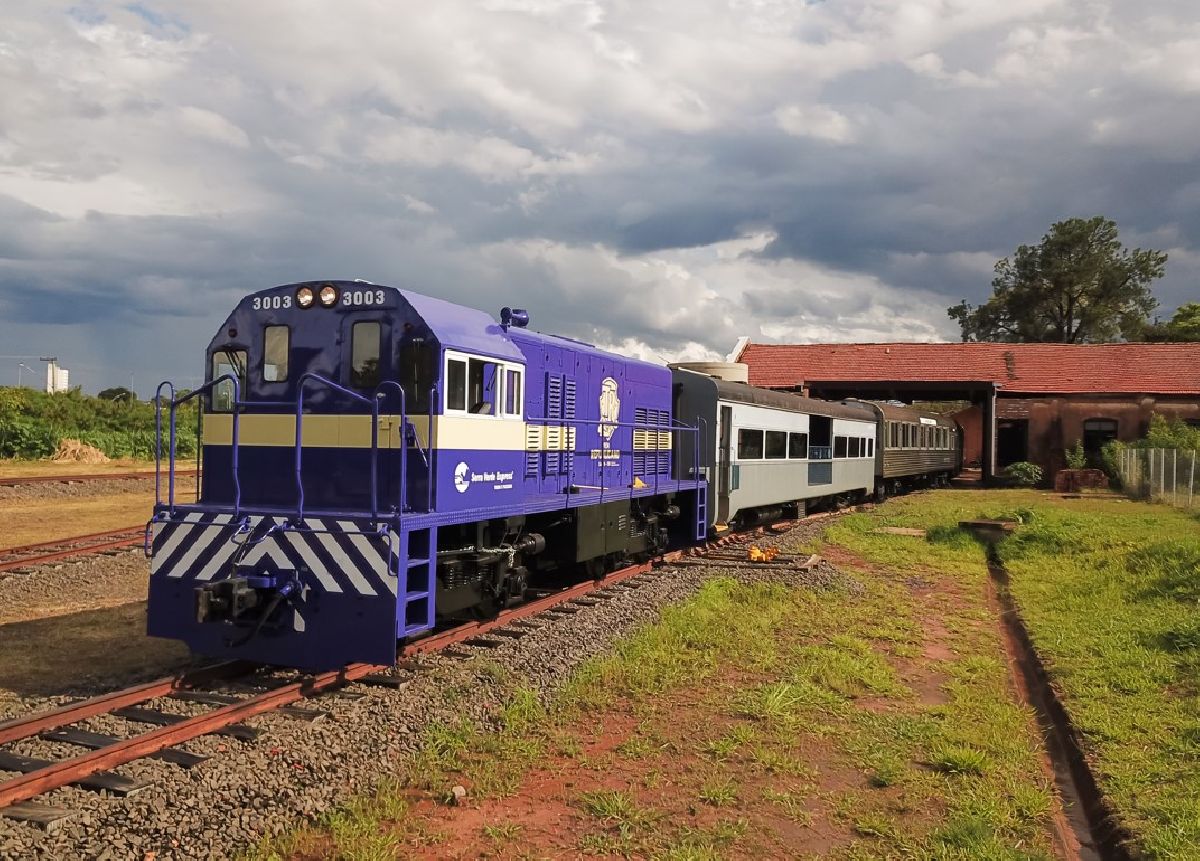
(767,452)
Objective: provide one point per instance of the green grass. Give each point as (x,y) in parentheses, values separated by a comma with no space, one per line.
(805,717)
(1110,593)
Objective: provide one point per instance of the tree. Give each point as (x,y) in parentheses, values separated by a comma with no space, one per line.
(117,393)
(1184,326)
(1078,286)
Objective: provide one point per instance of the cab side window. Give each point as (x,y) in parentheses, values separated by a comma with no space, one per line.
(456,385)
(483,384)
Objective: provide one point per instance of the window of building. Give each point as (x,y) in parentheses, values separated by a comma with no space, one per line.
(456,385)
(1097,432)
(364,355)
(483,384)
(839,446)
(275,353)
(854,445)
(798,446)
(750,444)
(512,392)
(232,363)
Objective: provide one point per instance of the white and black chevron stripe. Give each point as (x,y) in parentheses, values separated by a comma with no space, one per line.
(342,557)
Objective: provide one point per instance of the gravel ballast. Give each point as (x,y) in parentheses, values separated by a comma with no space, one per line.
(298,769)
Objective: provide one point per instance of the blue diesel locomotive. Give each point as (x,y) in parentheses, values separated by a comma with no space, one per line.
(374,460)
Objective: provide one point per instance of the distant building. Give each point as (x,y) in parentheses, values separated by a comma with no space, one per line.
(1028,401)
(57,379)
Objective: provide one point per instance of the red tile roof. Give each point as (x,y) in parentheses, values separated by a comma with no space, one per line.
(1019,368)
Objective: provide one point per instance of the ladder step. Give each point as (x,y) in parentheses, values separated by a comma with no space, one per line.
(415,596)
(417,563)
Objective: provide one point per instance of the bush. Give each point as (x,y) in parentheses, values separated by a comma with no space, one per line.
(32,424)
(1169,433)
(1023,474)
(1076,457)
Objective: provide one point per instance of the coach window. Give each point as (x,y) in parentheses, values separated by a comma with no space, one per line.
(798,446)
(512,392)
(855,445)
(750,444)
(275,354)
(232,363)
(456,385)
(364,355)
(483,387)
(776,445)
(870,447)
(839,446)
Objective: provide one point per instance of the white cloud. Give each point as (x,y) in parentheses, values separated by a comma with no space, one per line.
(661,177)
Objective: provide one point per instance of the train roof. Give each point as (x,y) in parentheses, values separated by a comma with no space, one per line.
(458,327)
(746,394)
(895,413)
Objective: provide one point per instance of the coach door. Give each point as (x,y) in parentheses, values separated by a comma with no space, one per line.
(724,464)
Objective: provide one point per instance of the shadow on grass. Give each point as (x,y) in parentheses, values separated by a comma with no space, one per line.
(62,654)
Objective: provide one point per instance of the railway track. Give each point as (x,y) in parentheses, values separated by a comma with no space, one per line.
(259,692)
(17,481)
(30,555)
(92,768)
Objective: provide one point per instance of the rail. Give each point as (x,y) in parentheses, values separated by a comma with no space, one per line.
(820,452)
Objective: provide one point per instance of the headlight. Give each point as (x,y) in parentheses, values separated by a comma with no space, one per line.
(329,295)
(304,297)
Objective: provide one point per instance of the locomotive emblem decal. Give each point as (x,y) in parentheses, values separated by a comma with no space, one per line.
(610,413)
(462,477)
(610,409)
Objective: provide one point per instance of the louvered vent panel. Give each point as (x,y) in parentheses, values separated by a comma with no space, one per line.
(569,399)
(554,410)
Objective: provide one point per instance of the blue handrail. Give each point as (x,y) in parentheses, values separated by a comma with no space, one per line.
(374,402)
(175,404)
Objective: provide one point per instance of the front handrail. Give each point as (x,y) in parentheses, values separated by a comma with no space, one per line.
(374,402)
(175,404)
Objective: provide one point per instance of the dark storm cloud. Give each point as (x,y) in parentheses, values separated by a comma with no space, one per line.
(662,178)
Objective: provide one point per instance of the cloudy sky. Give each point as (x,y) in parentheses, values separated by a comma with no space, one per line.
(659,176)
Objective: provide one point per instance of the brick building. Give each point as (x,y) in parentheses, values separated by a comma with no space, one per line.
(1028,401)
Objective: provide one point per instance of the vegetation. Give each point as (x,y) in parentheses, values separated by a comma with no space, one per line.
(758,721)
(1167,433)
(32,423)
(1023,474)
(1183,326)
(1108,590)
(1076,456)
(1078,285)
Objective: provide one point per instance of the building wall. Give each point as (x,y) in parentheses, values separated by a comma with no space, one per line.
(1055,423)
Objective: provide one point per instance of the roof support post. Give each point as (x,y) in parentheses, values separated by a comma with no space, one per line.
(989,436)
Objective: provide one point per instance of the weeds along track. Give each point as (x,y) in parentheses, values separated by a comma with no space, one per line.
(28,556)
(62,747)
